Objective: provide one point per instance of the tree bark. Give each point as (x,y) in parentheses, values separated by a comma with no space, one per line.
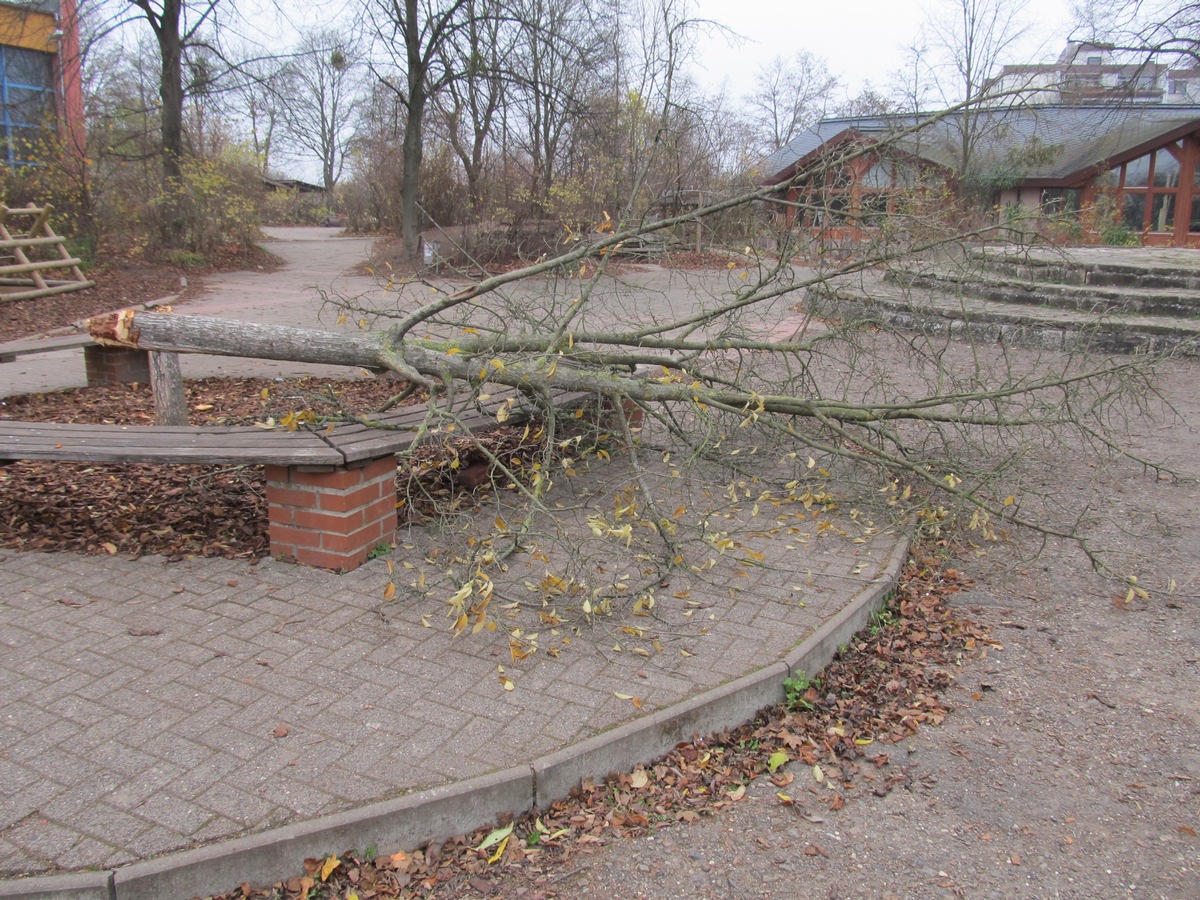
(166,381)
(224,337)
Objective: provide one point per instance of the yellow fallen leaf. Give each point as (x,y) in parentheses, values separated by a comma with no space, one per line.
(327,869)
(639,779)
(499,850)
(737,793)
(818,774)
(495,837)
(390,591)
(110,547)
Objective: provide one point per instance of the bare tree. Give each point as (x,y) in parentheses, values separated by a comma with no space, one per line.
(789,95)
(558,67)
(260,90)
(413,34)
(470,104)
(321,91)
(175,24)
(969,39)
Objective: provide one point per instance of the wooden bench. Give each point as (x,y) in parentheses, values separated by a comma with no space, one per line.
(103,365)
(331,493)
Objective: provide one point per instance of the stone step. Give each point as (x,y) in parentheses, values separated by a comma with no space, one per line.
(1089,298)
(871,298)
(1171,269)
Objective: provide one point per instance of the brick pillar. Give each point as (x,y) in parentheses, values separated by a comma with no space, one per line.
(115,365)
(331,518)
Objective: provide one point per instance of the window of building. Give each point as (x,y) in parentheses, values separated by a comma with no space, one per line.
(1061,201)
(1095,60)
(27,96)
(1150,188)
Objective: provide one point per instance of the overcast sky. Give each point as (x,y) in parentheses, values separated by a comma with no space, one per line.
(863,40)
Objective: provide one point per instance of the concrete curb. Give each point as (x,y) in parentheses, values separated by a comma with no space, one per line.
(82,886)
(441,812)
(816,651)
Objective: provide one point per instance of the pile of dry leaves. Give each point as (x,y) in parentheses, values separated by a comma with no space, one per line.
(882,687)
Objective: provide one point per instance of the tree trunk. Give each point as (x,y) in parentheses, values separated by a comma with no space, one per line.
(224,337)
(166,381)
(170,90)
(410,217)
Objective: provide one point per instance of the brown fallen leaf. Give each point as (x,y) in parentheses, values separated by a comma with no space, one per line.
(144,632)
(281,731)
(814,850)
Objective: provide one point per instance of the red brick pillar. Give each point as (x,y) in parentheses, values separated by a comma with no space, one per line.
(331,518)
(115,365)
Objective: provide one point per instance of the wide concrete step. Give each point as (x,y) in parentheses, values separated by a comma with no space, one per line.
(1128,267)
(871,298)
(1086,298)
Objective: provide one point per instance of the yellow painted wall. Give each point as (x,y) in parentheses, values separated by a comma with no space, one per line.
(27,28)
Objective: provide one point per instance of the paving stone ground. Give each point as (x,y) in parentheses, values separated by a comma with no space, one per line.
(151,706)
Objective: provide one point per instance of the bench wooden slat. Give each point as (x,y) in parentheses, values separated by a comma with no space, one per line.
(13,349)
(241,444)
(111,443)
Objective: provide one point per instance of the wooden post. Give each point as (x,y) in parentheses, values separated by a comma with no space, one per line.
(166,381)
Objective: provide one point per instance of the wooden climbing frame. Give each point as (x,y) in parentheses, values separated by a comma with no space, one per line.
(35,250)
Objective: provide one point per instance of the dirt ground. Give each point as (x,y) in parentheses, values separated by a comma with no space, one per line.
(1070,766)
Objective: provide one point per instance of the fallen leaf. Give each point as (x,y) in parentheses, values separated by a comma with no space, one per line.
(327,869)
(144,632)
(777,759)
(495,837)
(281,731)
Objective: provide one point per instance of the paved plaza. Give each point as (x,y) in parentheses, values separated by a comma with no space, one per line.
(151,707)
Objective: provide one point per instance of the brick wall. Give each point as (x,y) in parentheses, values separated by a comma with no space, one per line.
(331,519)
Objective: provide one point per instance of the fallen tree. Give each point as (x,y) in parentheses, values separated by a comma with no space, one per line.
(725,394)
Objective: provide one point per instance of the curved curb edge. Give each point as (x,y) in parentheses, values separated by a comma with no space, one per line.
(440,812)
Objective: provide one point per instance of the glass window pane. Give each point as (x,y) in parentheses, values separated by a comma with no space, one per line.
(1110,179)
(1166,169)
(27,67)
(1134,211)
(877,176)
(1194,225)
(1137,172)
(1162,212)
(29,107)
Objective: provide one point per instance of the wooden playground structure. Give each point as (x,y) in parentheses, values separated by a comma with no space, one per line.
(35,262)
